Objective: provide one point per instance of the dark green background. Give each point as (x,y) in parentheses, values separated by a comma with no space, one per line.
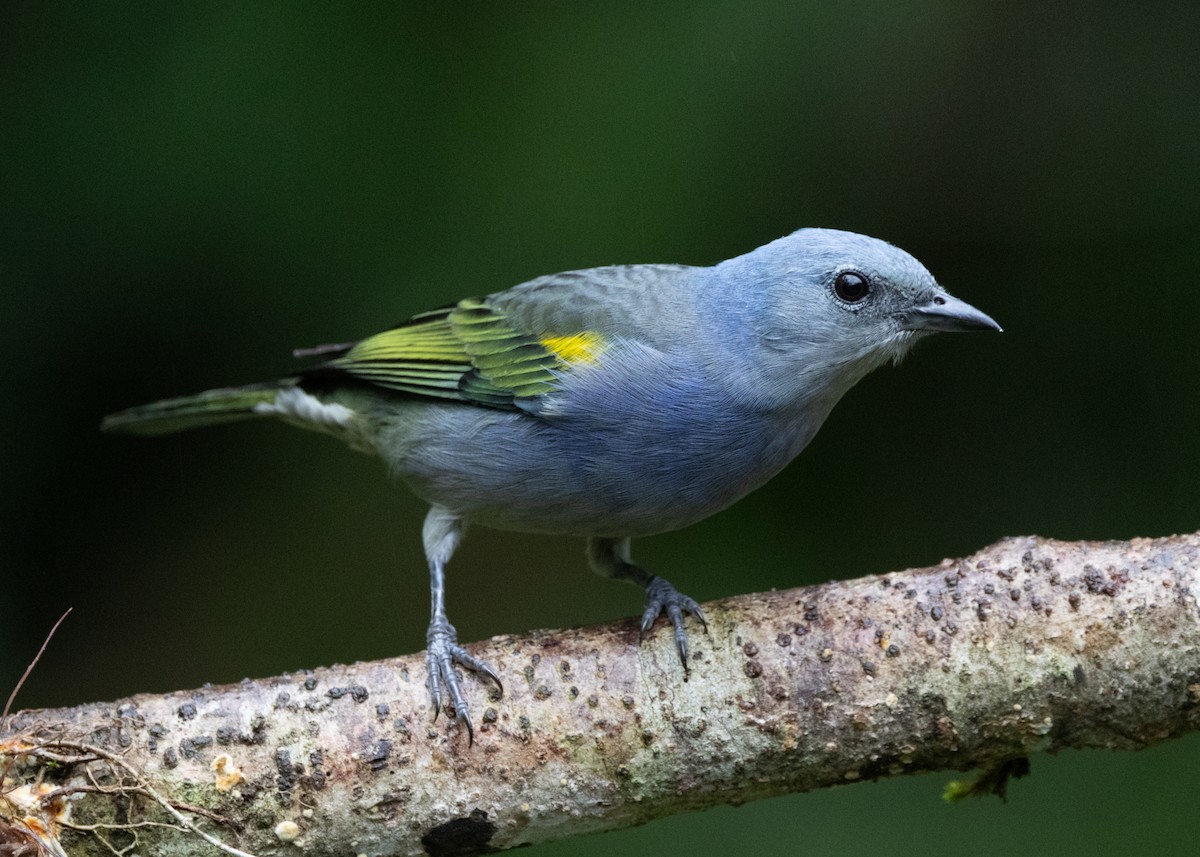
(191,190)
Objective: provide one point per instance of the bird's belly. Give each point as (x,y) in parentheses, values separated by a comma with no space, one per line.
(582,477)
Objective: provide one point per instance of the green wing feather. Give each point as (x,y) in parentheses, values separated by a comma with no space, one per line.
(468,352)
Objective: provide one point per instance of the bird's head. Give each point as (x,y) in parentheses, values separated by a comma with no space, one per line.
(851,297)
(828,306)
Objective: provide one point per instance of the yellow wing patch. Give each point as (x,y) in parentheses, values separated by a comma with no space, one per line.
(468,352)
(583,347)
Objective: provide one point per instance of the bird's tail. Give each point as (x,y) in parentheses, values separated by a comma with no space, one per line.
(203,409)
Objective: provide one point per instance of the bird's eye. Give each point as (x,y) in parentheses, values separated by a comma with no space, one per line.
(851,287)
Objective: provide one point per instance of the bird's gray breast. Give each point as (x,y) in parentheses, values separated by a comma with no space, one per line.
(639,443)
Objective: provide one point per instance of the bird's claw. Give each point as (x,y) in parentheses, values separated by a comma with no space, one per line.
(662,597)
(440,658)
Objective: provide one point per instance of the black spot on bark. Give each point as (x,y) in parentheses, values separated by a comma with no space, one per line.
(377,754)
(316,759)
(461,837)
(286,772)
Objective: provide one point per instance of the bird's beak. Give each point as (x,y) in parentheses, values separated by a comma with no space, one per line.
(946,312)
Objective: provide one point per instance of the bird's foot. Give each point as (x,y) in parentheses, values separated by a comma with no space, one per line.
(662,597)
(443,653)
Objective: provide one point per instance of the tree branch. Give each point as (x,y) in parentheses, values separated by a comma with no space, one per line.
(1030,645)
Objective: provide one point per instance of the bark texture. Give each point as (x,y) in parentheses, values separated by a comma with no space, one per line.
(1030,645)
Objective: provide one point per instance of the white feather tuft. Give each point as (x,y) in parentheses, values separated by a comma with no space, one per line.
(297,404)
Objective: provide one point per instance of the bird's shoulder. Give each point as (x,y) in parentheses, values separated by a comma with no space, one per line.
(626,301)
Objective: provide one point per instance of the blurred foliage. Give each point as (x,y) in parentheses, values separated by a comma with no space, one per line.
(191,190)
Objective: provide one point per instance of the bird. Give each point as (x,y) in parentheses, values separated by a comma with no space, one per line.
(607,403)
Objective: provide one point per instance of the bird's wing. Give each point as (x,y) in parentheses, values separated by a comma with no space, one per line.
(512,348)
(470,352)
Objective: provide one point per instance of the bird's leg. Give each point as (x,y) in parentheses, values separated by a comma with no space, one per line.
(610,557)
(442,532)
